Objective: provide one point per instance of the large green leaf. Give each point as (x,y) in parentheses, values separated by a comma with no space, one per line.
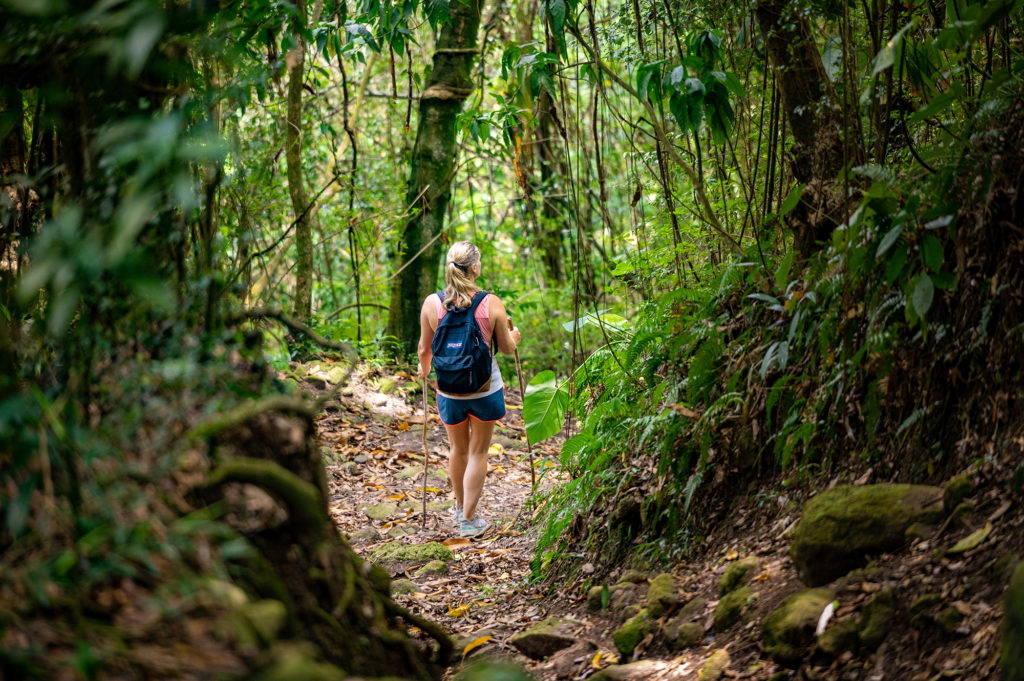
(544,406)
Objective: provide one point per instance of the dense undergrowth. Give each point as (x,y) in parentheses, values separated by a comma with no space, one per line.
(898,347)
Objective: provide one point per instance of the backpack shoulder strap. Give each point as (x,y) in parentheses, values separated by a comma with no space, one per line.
(478,298)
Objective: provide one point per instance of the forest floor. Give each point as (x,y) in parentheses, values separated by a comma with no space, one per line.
(374,450)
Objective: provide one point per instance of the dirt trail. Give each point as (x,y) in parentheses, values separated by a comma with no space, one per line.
(373,445)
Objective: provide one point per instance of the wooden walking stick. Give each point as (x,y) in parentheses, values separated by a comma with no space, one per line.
(522,393)
(426,454)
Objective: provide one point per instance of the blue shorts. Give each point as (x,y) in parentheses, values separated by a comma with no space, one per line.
(487,409)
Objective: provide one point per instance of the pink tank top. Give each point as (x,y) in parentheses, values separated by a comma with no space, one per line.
(482,315)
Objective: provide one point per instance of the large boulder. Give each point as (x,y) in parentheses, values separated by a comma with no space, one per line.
(545,638)
(738,574)
(730,608)
(629,635)
(789,631)
(1012,657)
(840,528)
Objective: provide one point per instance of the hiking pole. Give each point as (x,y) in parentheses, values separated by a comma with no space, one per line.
(522,393)
(426,455)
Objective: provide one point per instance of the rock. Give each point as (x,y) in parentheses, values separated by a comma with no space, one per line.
(683,634)
(381,511)
(361,458)
(387,385)
(629,635)
(404,586)
(1012,654)
(545,638)
(715,666)
(918,532)
(437,505)
(876,619)
(623,595)
(492,670)
(336,375)
(661,595)
(632,576)
(840,638)
(410,472)
(399,531)
(693,609)
(956,489)
(316,381)
(842,526)
(949,619)
(789,630)
(630,611)
(397,552)
(730,608)
(367,534)
(634,671)
(351,468)
(738,574)
(595,598)
(434,567)
(922,605)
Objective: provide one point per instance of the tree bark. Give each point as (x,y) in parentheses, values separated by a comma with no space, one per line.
(818,155)
(433,166)
(12,193)
(296,61)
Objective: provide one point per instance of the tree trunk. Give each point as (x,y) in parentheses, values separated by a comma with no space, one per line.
(296,60)
(432,169)
(818,155)
(12,193)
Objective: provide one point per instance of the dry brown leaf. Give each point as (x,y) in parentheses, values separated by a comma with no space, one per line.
(764,576)
(403,426)
(459,610)
(457,542)
(732,554)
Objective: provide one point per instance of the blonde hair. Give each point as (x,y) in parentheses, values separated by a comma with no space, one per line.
(460,284)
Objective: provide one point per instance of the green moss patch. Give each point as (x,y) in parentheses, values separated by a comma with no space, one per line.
(738,574)
(661,595)
(397,552)
(629,635)
(730,608)
(789,631)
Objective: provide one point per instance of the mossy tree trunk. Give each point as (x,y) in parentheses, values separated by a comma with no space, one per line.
(432,169)
(818,152)
(296,61)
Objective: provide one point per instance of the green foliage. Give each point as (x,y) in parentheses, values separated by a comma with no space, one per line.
(544,406)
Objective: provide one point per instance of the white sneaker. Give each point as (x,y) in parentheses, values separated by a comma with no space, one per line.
(456,512)
(474,527)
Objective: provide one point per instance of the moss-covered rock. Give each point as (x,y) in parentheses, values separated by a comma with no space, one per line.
(404,586)
(842,526)
(633,577)
(738,574)
(624,594)
(694,608)
(434,567)
(715,666)
(379,578)
(949,619)
(492,670)
(387,385)
(381,511)
(789,630)
(267,618)
(922,605)
(298,660)
(595,598)
(730,608)
(629,635)
(397,552)
(545,638)
(661,595)
(1012,655)
(956,489)
(876,619)
(633,671)
(840,638)
(680,633)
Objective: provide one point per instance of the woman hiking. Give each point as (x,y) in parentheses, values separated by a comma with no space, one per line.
(468,413)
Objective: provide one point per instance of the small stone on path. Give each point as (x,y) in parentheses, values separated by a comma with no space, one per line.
(545,638)
(381,511)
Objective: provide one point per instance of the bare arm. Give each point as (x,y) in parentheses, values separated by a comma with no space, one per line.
(506,340)
(428,324)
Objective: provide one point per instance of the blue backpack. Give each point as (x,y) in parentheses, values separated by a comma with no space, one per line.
(462,359)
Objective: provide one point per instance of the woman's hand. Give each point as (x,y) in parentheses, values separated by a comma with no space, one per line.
(421,373)
(516,336)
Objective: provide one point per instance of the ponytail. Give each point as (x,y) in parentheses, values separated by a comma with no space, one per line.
(460,284)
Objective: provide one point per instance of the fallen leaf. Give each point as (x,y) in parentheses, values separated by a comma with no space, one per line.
(870,587)
(403,426)
(456,542)
(459,610)
(396,497)
(475,643)
(603,658)
(495,449)
(971,541)
(764,576)
(732,555)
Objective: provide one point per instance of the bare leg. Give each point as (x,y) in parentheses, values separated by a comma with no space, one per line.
(458,443)
(476,469)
